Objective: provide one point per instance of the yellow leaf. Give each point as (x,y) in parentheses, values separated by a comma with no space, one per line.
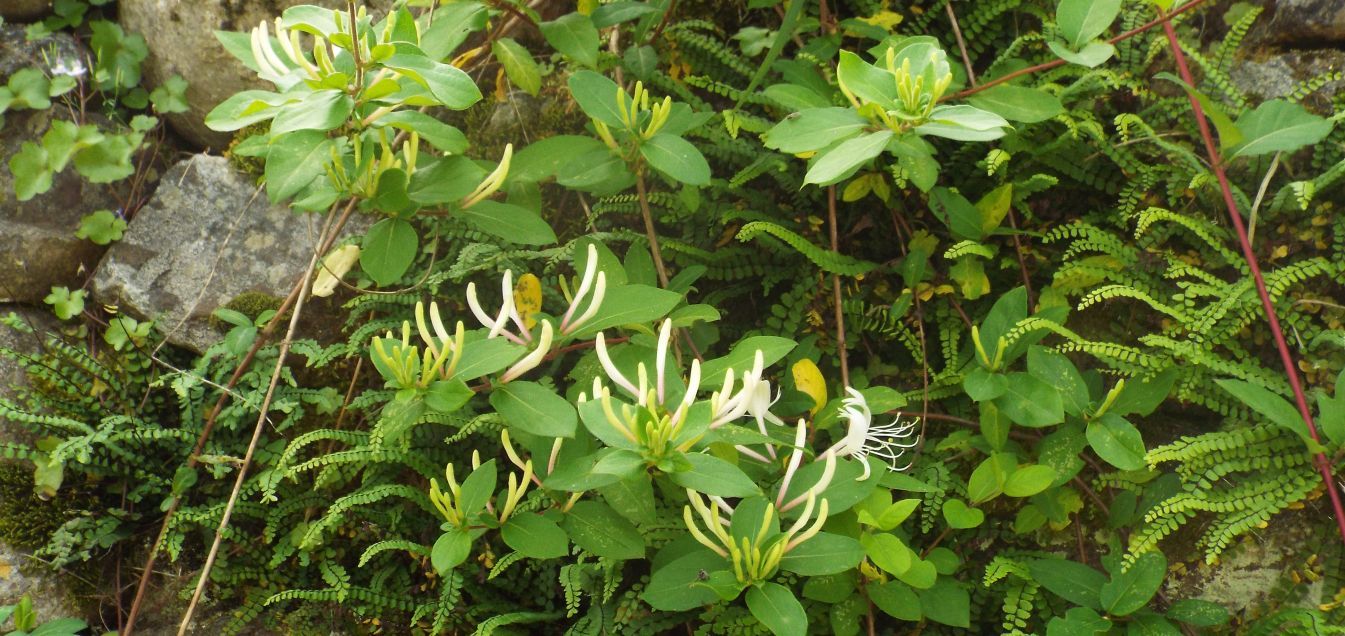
(883,19)
(528,298)
(334,266)
(586,7)
(857,189)
(808,378)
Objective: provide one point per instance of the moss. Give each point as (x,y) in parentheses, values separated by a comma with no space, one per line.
(26,521)
(251,165)
(250,304)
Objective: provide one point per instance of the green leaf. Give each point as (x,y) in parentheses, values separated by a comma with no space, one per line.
(484,357)
(243,109)
(1018,103)
(171,96)
(1197,612)
(447,83)
(447,396)
(1074,582)
(101,227)
(961,517)
(65,303)
(450,550)
(443,137)
(1057,370)
(1142,396)
(1272,406)
(598,529)
(294,161)
(947,602)
(866,81)
(1082,20)
(535,536)
(319,110)
(814,129)
(596,95)
(825,553)
(621,11)
(896,599)
(1091,55)
(108,160)
(713,476)
(1029,401)
(740,358)
(982,385)
(778,609)
(888,552)
(963,123)
(1279,126)
(1331,412)
(675,586)
(478,487)
(1029,480)
(453,22)
(388,249)
(510,222)
(1078,621)
(518,65)
(542,159)
(1117,441)
(676,158)
(630,304)
(1131,590)
(535,409)
(959,214)
(32,175)
(574,35)
(838,163)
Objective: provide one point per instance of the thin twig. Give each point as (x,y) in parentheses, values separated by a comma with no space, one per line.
(278,371)
(193,459)
(649,228)
(1022,263)
(836,289)
(961,44)
(1267,305)
(1060,62)
(1261,195)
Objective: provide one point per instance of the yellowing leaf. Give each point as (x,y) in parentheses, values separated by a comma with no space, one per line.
(808,378)
(884,19)
(857,189)
(334,266)
(528,298)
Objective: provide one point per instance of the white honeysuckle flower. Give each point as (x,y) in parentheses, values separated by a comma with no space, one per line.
(590,277)
(862,439)
(661,357)
(499,326)
(729,406)
(534,358)
(609,367)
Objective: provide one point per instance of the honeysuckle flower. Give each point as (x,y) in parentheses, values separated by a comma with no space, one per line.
(499,325)
(491,184)
(591,279)
(727,405)
(753,558)
(534,358)
(862,439)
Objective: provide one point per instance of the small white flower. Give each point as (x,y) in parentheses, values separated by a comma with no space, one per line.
(591,274)
(862,439)
(530,361)
(75,68)
(499,326)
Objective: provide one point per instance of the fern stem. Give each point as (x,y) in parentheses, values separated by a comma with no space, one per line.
(836,289)
(1290,368)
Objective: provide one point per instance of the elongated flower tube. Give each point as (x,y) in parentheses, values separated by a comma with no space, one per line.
(754,558)
(493,181)
(862,439)
(447,502)
(609,367)
(499,325)
(534,358)
(591,279)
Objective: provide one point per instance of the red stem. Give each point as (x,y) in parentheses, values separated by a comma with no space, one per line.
(1291,370)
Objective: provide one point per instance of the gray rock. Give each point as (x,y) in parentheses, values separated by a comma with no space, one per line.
(20,10)
(1274,75)
(20,574)
(207,236)
(38,248)
(37,323)
(1304,24)
(181,41)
